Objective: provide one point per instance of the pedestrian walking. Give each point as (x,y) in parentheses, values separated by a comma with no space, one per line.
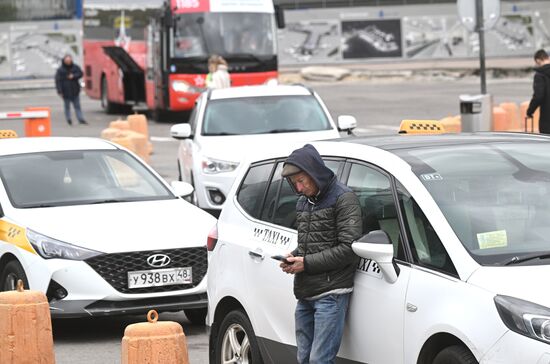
(219,75)
(323,264)
(67,82)
(541,91)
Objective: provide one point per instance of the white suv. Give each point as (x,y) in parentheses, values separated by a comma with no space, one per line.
(229,124)
(458,274)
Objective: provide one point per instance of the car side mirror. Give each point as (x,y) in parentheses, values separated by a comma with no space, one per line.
(180,131)
(346,123)
(377,246)
(182,189)
(280,17)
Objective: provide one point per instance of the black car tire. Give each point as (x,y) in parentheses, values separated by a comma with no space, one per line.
(456,354)
(197,316)
(237,323)
(10,274)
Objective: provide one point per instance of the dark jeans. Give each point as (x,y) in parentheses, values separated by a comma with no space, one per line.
(319,328)
(76,104)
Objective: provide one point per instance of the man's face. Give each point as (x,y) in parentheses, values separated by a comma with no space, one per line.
(304,184)
(68,60)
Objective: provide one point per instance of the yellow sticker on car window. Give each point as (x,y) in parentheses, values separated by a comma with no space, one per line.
(492,239)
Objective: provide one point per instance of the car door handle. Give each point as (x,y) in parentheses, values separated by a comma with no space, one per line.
(256,255)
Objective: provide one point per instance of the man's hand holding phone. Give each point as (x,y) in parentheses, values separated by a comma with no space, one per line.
(291,264)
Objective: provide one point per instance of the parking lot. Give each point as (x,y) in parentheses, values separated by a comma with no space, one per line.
(379,106)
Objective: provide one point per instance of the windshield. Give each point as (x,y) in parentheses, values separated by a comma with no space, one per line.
(262,115)
(78,177)
(225,34)
(495,196)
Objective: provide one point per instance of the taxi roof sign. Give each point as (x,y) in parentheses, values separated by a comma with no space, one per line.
(421,127)
(7,133)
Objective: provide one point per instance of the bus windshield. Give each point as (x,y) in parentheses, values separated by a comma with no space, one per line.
(203,34)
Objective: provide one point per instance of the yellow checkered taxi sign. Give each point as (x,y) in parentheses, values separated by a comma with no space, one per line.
(6,133)
(421,127)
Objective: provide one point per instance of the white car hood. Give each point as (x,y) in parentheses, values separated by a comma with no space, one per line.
(525,282)
(234,148)
(121,227)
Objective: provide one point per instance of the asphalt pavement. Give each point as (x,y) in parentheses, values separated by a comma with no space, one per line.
(379,106)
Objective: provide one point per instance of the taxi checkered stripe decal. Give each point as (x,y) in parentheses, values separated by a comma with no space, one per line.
(13,232)
(424,127)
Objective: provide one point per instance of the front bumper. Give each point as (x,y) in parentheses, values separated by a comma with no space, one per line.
(86,308)
(98,286)
(516,348)
(219,182)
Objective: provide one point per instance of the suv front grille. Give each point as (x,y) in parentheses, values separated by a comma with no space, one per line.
(114,267)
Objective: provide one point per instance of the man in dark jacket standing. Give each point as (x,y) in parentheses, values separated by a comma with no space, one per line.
(541,91)
(68,87)
(328,221)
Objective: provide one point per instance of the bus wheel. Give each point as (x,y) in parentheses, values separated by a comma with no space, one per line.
(107,105)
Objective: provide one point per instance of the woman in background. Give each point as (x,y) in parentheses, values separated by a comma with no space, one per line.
(218,76)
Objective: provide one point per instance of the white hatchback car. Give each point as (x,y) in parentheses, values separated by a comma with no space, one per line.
(458,274)
(98,231)
(229,124)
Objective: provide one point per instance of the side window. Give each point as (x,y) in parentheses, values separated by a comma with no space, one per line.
(280,202)
(373,188)
(426,248)
(251,192)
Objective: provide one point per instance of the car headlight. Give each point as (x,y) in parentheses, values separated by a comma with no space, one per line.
(524,317)
(182,86)
(50,248)
(210,165)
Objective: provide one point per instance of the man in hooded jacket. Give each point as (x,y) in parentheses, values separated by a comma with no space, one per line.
(541,91)
(328,222)
(68,87)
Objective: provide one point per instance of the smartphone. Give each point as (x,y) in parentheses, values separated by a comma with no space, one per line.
(281,258)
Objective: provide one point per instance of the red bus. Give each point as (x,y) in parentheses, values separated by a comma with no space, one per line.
(155,55)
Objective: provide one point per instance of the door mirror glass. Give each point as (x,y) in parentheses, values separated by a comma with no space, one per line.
(180,131)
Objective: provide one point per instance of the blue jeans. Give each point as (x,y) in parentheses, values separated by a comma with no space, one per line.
(76,103)
(319,328)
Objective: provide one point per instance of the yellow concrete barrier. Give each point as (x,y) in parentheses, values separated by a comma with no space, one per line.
(25,327)
(154,342)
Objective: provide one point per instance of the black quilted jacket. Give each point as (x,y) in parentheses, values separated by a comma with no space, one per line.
(327,225)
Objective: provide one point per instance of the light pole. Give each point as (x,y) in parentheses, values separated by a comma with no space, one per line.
(480,31)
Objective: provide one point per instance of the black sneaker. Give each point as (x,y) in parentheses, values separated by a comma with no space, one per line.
(69,122)
(83,122)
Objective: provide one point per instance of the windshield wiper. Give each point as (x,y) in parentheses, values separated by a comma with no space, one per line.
(218,134)
(275,131)
(109,200)
(524,258)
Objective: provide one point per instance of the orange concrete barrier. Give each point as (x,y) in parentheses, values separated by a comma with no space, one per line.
(523,113)
(120,124)
(141,146)
(25,327)
(452,124)
(111,133)
(138,123)
(512,115)
(500,119)
(154,342)
(125,141)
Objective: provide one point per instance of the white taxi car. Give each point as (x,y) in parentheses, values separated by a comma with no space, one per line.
(98,231)
(229,124)
(454,268)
